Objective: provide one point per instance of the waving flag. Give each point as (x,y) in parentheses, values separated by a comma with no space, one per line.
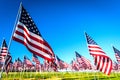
(35,59)
(19,62)
(7,63)
(61,64)
(27,33)
(102,61)
(117,54)
(75,65)
(37,62)
(4,52)
(78,58)
(83,61)
(5,59)
(115,65)
(27,61)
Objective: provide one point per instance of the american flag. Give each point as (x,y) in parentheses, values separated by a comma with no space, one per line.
(19,63)
(27,33)
(7,59)
(7,63)
(115,65)
(4,52)
(35,59)
(83,61)
(74,65)
(78,58)
(15,64)
(27,62)
(102,61)
(61,64)
(117,54)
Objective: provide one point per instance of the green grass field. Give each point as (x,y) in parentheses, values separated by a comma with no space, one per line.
(59,76)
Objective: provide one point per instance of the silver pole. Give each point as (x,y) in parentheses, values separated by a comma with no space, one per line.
(17,17)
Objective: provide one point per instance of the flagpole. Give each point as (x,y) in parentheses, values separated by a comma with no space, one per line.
(1,49)
(87,46)
(17,17)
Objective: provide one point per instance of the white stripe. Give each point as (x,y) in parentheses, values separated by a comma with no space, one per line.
(97,53)
(101,63)
(32,48)
(108,68)
(4,48)
(3,54)
(32,34)
(96,49)
(98,58)
(33,41)
(4,51)
(93,45)
(104,65)
(86,61)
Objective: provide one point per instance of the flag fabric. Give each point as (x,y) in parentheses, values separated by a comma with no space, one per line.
(35,59)
(7,63)
(27,33)
(86,64)
(117,54)
(78,58)
(61,64)
(19,63)
(27,62)
(115,65)
(46,65)
(102,61)
(5,59)
(4,52)
(15,64)
(75,65)
(37,62)
(11,66)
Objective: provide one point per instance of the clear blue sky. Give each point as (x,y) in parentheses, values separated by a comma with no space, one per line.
(62,24)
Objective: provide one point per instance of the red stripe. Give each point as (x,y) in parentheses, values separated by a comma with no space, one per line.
(34,38)
(110,68)
(32,44)
(89,46)
(96,51)
(102,64)
(4,49)
(99,62)
(36,53)
(106,67)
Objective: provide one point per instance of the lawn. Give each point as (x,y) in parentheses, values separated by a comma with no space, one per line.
(59,76)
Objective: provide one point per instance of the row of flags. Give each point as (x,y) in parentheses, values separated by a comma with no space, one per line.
(27,33)
(81,63)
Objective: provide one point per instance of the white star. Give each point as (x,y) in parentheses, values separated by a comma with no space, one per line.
(31,27)
(28,21)
(23,18)
(33,30)
(24,14)
(29,17)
